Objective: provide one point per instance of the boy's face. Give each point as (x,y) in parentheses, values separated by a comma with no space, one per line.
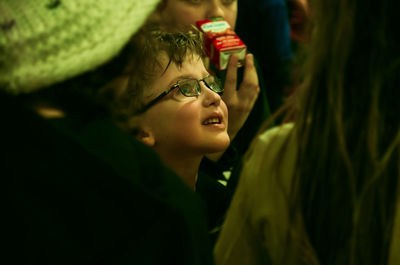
(179,14)
(179,123)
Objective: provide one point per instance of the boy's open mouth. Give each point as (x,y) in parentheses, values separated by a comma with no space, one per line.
(212,120)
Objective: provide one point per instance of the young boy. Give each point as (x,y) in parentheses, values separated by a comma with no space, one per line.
(245,90)
(170,102)
(75,188)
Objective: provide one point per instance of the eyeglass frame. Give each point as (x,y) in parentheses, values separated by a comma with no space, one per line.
(176,85)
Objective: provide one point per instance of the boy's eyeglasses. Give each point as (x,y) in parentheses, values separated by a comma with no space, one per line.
(189,87)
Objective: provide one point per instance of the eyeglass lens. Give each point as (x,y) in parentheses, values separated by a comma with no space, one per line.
(191,87)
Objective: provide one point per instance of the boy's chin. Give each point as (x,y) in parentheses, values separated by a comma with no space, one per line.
(219,146)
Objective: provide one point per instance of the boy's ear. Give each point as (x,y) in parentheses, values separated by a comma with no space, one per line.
(146,137)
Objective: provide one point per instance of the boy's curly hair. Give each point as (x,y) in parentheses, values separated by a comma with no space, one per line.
(124,96)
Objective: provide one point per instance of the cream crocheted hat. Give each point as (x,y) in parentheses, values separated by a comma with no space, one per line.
(43,42)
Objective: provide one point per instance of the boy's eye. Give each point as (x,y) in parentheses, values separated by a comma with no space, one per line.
(187,88)
(214,84)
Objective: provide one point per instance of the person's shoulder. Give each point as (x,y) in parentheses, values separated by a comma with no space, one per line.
(275,136)
(283,129)
(271,152)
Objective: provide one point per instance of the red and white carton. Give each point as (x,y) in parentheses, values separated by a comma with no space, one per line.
(220,41)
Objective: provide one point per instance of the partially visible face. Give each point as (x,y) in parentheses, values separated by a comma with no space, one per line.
(181,124)
(179,14)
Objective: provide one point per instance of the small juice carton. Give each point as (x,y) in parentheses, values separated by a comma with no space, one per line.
(220,41)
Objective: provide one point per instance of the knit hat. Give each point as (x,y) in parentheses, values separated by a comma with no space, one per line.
(43,42)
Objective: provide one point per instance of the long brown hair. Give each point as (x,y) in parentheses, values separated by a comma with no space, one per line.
(348,130)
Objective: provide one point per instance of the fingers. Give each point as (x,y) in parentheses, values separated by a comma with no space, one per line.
(230,78)
(249,87)
(240,102)
(250,77)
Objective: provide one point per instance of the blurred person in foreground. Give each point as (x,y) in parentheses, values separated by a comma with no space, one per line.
(75,188)
(324,189)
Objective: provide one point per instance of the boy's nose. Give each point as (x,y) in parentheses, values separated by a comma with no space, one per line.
(209,97)
(215,9)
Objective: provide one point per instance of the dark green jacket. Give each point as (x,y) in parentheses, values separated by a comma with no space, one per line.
(77,190)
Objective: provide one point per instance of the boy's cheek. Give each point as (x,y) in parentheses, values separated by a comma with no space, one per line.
(225,109)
